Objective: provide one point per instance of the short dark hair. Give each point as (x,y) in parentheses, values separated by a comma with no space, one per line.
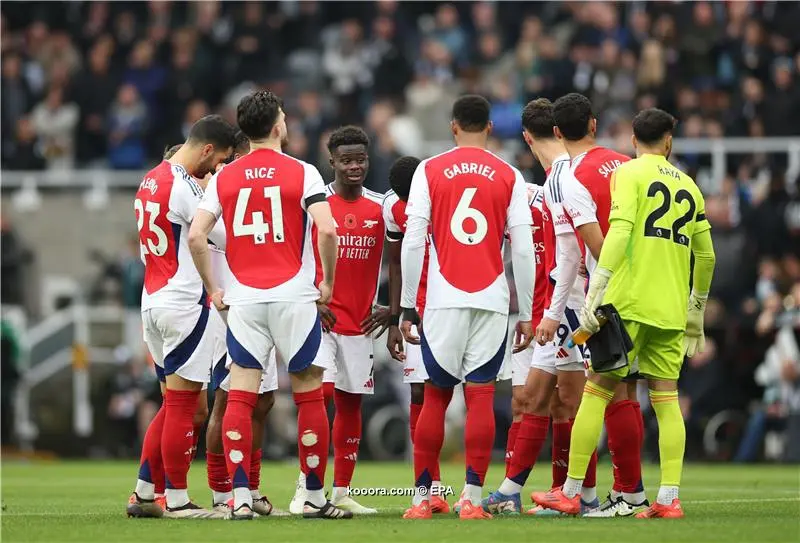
(571,114)
(471,112)
(401,173)
(537,118)
(257,114)
(241,145)
(652,124)
(169,152)
(212,129)
(347,135)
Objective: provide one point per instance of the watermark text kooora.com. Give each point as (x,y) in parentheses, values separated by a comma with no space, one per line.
(442,491)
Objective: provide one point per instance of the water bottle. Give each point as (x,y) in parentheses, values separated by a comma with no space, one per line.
(582,335)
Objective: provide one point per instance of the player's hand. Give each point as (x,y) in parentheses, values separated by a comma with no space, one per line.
(325,292)
(594,297)
(378,320)
(582,269)
(523,335)
(546,330)
(694,341)
(394,342)
(410,318)
(216,299)
(327,317)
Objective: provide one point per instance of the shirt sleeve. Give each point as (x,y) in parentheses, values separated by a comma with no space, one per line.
(624,196)
(412,257)
(568,260)
(313,186)
(210,201)
(578,203)
(519,210)
(419,198)
(701,223)
(393,231)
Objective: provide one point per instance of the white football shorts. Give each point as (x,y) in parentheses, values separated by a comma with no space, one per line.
(463,344)
(348,362)
(292,329)
(554,355)
(520,365)
(180,341)
(413,367)
(220,375)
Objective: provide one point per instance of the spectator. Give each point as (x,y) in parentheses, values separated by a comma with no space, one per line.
(346,62)
(127,124)
(27,150)
(146,76)
(17,100)
(506,112)
(95,89)
(55,123)
(10,352)
(448,32)
(392,71)
(312,123)
(782,117)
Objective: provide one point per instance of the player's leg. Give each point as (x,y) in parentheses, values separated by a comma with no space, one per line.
(142,502)
(217,470)
(520,367)
(266,399)
(297,331)
(443,342)
(597,395)
(623,426)
(483,357)
(326,359)
(249,343)
(199,420)
(354,380)
(661,364)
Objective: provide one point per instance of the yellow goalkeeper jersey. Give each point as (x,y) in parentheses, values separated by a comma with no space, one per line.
(666,209)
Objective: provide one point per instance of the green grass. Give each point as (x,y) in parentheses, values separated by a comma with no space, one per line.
(85,501)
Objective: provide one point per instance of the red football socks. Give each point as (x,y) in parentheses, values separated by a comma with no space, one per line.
(416,409)
(530,440)
(151,467)
(237,435)
(591,472)
(346,436)
(218,478)
(255,469)
(562,431)
(313,436)
(623,444)
(328,392)
(429,436)
(178,435)
(512,437)
(478,431)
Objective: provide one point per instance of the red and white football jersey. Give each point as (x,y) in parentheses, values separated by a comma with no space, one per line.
(559,224)
(359,226)
(587,192)
(471,197)
(394,215)
(541,283)
(262,199)
(165,205)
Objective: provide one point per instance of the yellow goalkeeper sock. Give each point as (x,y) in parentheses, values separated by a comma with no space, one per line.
(587,427)
(671,435)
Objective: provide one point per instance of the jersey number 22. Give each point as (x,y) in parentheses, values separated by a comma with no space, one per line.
(650,228)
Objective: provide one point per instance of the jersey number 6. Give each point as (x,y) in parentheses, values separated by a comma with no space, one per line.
(464,212)
(650,228)
(257,227)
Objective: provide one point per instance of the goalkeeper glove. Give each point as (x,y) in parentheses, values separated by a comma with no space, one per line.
(695,340)
(594,297)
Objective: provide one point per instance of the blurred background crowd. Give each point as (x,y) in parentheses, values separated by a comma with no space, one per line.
(88,85)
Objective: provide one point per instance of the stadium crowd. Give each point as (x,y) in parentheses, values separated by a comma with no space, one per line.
(104,84)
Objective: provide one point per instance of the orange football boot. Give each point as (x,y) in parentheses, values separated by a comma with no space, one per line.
(419,512)
(557,500)
(439,505)
(657,510)
(472,512)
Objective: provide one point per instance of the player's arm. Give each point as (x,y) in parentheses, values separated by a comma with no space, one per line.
(412,253)
(704,261)
(568,263)
(523,261)
(580,208)
(394,239)
(624,204)
(205,217)
(316,204)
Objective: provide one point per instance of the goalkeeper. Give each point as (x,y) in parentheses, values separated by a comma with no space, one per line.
(657,222)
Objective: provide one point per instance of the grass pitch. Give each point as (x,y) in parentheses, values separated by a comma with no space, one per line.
(85,501)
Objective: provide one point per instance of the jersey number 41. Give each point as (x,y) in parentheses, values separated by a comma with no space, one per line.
(258,228)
